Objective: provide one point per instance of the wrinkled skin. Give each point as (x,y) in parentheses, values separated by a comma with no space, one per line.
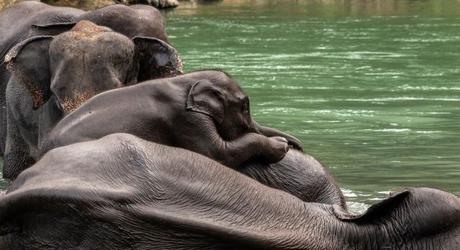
(300,175)
(30,18)
(41,96)
(81,196)
(204,111)
(15,26)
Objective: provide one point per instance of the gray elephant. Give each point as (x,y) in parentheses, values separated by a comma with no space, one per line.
(122,192)
(299,174)
(61,72)
(27,19)
(204,111)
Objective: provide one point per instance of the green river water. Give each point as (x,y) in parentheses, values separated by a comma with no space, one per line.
(372,88)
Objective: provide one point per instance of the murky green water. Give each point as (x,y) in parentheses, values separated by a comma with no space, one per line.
(372,88)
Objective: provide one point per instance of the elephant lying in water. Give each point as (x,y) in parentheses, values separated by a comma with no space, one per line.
(28,19)
(300,175)
(204,111)
(81,196)
(61,72)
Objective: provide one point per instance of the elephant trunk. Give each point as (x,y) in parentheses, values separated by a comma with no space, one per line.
(267,131)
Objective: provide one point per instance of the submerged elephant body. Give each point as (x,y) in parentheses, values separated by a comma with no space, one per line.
(60,63)
(299,174)
(81,196)
(204,111)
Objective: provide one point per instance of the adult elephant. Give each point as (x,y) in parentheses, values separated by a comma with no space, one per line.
(32,18)
(204,111)
(121,192)
(299,174)
(61,72)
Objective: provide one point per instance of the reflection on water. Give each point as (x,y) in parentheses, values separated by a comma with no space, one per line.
(371,87)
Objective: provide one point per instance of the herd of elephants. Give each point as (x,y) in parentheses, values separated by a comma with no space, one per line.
(107,144)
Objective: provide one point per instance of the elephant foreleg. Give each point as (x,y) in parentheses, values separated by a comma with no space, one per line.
(252,146)
(270,132)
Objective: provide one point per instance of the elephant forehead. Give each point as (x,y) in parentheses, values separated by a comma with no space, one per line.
(87,29)
(101,42)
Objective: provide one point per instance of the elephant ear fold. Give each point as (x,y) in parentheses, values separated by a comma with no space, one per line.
(52,29)
(29,63)
(203,97)
(156,58)
(377,212)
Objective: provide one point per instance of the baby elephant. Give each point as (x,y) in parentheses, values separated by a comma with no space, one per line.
(205,111)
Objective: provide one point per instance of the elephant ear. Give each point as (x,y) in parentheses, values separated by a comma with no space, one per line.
(204,97)
(377,212)
(52,29)
(157,59)
(29,63)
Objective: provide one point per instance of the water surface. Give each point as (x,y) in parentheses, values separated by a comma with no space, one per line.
(370,87)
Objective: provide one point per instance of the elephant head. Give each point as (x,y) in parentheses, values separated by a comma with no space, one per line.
(86,60)
(221,97)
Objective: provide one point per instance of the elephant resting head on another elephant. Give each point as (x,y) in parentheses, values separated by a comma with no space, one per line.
(204,111)
(121,192)
(89,59)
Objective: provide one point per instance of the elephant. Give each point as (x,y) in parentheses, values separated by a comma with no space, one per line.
(204,111)
(299,174)
(123,192)
(61,72)
(27,19)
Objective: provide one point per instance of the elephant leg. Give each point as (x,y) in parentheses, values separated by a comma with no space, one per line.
(251,146)
(17,154)
(270,132)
